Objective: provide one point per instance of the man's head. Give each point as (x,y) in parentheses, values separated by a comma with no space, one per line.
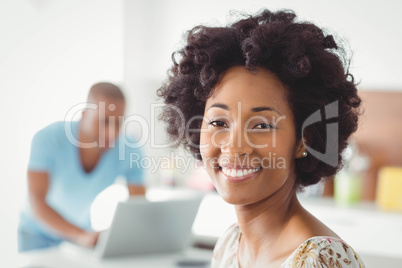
(102,118)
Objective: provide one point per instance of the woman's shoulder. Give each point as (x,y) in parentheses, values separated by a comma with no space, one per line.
(324,250)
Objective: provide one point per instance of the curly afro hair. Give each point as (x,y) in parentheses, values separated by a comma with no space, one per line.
(311,65)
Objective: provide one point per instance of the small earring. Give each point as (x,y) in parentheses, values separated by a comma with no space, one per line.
(304,154)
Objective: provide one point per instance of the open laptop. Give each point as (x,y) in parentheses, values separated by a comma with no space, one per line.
(152,225)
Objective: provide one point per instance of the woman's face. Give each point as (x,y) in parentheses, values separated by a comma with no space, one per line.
(248,142)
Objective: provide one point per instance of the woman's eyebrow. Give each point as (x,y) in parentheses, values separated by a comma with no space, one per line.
(264,108)
(254,110)
(219,105)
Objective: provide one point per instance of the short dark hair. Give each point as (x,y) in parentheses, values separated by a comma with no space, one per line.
(311,65)
(107,90)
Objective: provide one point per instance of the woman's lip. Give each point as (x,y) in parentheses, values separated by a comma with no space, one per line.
(230,166)
(239,179)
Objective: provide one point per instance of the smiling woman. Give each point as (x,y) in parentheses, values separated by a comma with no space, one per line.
(249,95)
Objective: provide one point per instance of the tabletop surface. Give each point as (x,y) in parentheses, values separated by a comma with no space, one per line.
(68,256)
(374,234)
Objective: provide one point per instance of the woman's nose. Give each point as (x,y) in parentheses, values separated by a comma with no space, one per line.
(237,143)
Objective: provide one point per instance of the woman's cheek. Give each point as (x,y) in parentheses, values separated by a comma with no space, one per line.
(204,141)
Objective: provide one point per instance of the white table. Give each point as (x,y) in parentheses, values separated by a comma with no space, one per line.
(74,258)
(374,234)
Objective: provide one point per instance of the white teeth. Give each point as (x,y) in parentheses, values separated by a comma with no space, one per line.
(239,172)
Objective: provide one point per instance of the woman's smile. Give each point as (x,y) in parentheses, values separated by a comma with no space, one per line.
(236,174)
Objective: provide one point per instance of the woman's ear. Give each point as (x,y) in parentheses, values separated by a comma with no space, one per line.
(300,149)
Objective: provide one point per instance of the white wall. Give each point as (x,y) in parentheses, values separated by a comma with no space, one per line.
(50,54)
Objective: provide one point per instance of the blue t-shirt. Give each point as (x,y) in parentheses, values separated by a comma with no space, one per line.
(71,190)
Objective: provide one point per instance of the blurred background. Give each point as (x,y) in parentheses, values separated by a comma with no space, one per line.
(52,51)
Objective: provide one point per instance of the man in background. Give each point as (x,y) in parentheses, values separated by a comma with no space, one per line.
(70,164)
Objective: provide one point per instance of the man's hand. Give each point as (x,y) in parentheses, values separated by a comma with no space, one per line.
(88,239)
(136,190)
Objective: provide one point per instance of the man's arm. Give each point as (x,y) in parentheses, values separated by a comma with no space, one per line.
(38,185)
(136,189)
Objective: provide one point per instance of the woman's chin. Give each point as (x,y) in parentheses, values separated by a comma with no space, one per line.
(234,199)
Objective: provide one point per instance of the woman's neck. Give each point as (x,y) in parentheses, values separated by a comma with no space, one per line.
(265,226)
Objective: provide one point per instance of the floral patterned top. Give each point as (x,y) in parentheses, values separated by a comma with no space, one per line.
(318,251)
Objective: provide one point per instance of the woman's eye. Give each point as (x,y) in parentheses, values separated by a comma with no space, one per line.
(263,126)
(218,124)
